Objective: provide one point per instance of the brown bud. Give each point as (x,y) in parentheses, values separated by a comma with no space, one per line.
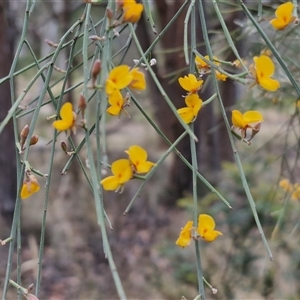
(95,71)
(82,105)
(64,147)
(23,136)
(34,139)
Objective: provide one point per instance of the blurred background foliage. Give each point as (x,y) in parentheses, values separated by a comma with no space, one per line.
(150,265)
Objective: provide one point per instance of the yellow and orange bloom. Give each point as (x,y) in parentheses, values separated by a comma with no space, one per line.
(30,186)
(185,235)
(68,118)
(122,172)
(284,16)
(138,159)
(293,189)
(190,83)
(202,65)
(132,10)
(206,228)
(116,102)
(243,121)
(263,70)
(118,78)
(296,192)
(221,76)
(189,113)
(138,80)
(286,185)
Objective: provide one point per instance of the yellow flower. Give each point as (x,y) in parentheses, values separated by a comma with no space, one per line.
(284,16)
(138,158)
(132,11)
(30,186)
(264,69)
(204,67)
(189,113)
(190,83)
(68,118)
(185,235)
(243,121)
(296,192)
(206,226)
(221,76)
(118,78)
(116,101)
(122,172)
(138,80)
(201,64)
(286,185)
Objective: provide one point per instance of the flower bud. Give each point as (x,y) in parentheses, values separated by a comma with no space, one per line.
(95,71)
(82,104)
(34,139)
(23,136)
(64,147)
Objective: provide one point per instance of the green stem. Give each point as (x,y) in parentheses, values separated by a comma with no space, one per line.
(236,156)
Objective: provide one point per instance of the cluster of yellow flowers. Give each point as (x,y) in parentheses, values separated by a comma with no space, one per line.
(124,169)
(119,78)
(262,70)
(205,230)
(293,189)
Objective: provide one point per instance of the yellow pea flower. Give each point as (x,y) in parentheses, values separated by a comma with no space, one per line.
(118,78)
(30,186)
(206,228)
(185,235)
(190,83)
(138,158)
(286,185)
(221,76)
(68,118)
(264,69)
(284,16)
(116,101)
(138,80)
(296,192)
(132,11)
(243,121)
(189,113)
(122,172)
(202,65)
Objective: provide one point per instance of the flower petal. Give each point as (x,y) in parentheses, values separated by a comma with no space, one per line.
(122,170)
(144,167)
(186,114)
(67,118)
(211,235)
(137,153)
(185,235)
(237,119)
(264,66)
(110,183)
(138,80)
(29,188)
(252,116)
(118,78)
(206,221)
(269,84)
